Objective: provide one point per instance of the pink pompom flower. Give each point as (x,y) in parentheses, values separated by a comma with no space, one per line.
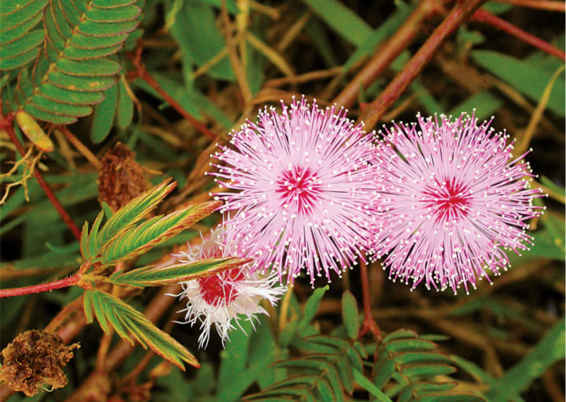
(302,184)
(452,198)
(222,299)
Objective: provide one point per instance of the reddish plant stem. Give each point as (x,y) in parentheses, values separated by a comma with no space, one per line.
(375,110)
(548,5)
(369,323)
(386,53)
(6,123)
(490,19)
(42,287)
(144,75)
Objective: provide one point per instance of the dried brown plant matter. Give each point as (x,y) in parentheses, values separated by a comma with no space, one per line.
(35,360)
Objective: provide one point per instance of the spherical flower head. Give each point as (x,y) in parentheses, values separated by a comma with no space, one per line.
(302,186)
(452,198)
(224,298)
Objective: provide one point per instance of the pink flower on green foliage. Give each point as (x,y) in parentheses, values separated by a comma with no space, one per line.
(302,186)
(222,299)
(452,198)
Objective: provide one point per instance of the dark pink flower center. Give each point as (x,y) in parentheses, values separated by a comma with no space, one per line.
(299,187)
(448,200)
(216,289)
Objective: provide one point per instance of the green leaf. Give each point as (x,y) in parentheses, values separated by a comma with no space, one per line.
(154,231)
(484,103)
(342,20)
(549,242)
(191,99)
(526,78)
(103,118)
(552,186)
(199,38)
(20,43)
(385,30)
(311,306)
(159,275)
(427,370)
(133,211)
(549,350)
(93,241)
(473,369)
(452,398)
(350,314)
(233,364)
(131,324)
(125,112)
(496,7)
(369,387)
(401,345)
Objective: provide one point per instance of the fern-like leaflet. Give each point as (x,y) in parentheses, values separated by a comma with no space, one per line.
(70,46)
(411,368)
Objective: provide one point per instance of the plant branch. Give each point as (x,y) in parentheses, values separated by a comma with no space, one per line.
(385,54)
(493,20)
(6,123)
(42,287)
(375,110)
(548,5)
(144,75)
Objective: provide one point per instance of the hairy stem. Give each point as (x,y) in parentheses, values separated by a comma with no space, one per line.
(6,123)
(488,18)
(42,287)
(144,75)
(375,110)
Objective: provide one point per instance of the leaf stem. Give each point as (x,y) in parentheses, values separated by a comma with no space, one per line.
(144,75)
(414,66)
(80,147)
(42,287)
(493,20)
(6,124)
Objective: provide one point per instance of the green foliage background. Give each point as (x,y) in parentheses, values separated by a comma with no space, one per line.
(504,342)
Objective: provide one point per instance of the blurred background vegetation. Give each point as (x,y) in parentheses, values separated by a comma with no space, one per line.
(220,65)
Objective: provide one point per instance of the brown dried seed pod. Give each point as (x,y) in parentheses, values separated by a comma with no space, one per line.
(121,178)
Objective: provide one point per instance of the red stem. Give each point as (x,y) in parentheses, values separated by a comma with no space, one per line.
(412,69)
(6,123)
(485,17)
(42,287)
(144,75)
(369,323)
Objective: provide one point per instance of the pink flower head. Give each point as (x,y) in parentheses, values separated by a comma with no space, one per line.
(452,197)
(224,298)
(303,188)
